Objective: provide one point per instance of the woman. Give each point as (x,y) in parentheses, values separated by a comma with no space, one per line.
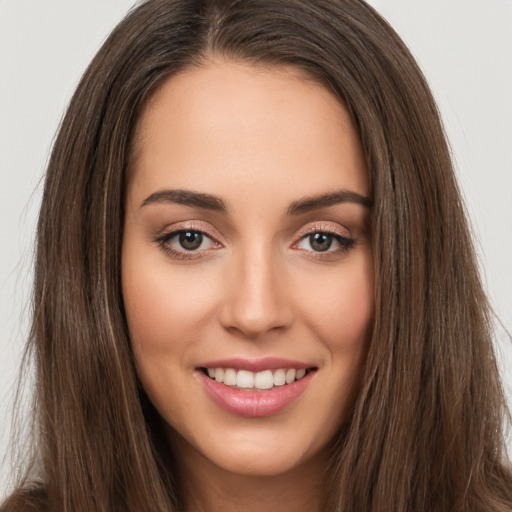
(255,285)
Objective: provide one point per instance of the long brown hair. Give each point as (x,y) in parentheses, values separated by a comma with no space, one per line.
(426,429)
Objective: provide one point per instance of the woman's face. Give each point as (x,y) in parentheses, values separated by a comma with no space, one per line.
(247,258)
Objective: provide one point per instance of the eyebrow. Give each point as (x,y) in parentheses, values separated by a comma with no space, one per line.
(211,202)
(187,198)
(323,200)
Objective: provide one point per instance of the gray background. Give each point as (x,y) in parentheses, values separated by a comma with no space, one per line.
(463,46)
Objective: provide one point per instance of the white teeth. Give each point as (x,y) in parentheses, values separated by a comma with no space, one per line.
(290,375)
(230,377)
(279,378)
(244,379)
(265,379)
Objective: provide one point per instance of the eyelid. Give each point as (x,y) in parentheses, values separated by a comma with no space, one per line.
(323,227)
(198,226)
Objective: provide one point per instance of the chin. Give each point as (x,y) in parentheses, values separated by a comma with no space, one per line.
(267,451)
(259,462)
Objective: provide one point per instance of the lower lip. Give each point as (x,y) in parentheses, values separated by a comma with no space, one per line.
(254,403)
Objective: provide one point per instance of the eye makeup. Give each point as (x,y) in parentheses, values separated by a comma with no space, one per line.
(187,241)
(325,239)
(194,240)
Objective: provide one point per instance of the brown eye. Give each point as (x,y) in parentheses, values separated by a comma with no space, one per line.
(190,240)
(320,242)
(324,242)
(187,243)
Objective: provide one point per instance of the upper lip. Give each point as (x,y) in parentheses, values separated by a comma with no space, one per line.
(255,365)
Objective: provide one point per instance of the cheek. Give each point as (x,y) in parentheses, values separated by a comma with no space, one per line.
(165,307)
(341,309)
(341,317)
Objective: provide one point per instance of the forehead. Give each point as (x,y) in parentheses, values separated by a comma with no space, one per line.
(229,125)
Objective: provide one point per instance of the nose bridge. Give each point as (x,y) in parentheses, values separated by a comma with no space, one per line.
(254,302)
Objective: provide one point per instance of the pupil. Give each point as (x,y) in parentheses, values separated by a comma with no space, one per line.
(320,241)
(190,240)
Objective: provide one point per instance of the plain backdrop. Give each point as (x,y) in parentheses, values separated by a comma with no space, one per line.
(463,46)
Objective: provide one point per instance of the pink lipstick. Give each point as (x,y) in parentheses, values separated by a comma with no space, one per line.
(254,388)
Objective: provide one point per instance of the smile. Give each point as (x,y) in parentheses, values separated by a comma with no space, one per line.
(263,380)
(255,388)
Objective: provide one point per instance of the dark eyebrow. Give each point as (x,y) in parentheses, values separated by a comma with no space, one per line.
(186,197)
(312,203)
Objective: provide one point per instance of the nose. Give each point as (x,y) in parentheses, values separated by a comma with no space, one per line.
(256,298)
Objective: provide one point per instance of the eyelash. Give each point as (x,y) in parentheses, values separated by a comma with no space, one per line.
(164,240)
(345,242)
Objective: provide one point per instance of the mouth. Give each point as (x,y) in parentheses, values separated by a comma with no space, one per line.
(246,380)
(255,388)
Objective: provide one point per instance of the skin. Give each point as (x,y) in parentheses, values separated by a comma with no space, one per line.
(259,139)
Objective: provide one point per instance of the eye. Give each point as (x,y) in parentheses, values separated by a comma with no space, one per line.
(189,240)
(322,241)
(186,243)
